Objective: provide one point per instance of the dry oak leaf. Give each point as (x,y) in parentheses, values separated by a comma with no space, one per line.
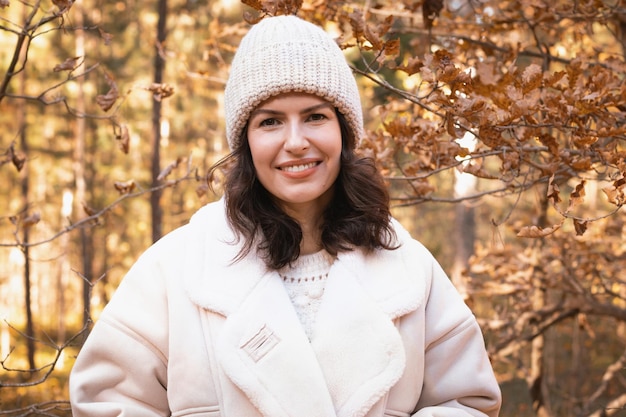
(536,232)
(90,211)
(485,71)
(390,49)
(250,18)
(124,138)
(422,187)
(168,169)
(31,220)
(63,5)
(413,65)
(357,23)
(271,8)
(124,187)
(491,136)
(475,168)
(444,61)
(160,91)
(373,38)
(107,37)
(577,196)
(399,127)
(550,142)
(616,194)
(430,11)
(17,160)
(68,65)
(107,100)
(553,191)
(580,226)
(532,77)
(255,4)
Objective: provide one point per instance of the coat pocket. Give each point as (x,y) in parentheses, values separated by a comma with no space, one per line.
(394,413)
(209,411)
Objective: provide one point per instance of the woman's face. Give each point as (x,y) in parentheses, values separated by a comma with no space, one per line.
(295,141)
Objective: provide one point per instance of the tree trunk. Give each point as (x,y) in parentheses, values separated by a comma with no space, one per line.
(536,379)
(86,237)
(465,224)
(465,232)
(63,272)
(30,326)
(159,66)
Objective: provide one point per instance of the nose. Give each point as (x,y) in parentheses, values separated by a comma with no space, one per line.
(295,138)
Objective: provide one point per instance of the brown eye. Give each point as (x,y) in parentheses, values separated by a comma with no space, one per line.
(317,117)
(268,122)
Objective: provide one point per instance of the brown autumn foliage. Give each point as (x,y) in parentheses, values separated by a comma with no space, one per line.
(527,98)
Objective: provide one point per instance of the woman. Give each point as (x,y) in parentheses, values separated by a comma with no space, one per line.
(296,294)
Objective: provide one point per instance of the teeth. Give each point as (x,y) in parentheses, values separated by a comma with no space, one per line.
(298,168)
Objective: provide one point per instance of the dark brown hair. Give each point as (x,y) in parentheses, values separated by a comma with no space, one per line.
(357,216)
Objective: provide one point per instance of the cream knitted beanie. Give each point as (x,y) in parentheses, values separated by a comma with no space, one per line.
(287,54)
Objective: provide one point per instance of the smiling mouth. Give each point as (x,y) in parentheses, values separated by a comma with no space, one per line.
(299,168)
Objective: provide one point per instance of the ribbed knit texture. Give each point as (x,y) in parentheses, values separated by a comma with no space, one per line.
(287,54)
(305,280)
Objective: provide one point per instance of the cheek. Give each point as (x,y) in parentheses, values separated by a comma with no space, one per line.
(258,152)
(335,160)
(336,146)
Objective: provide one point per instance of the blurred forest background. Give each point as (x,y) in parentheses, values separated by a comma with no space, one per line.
(499,125)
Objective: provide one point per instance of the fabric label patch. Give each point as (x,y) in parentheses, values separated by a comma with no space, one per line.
(260,344)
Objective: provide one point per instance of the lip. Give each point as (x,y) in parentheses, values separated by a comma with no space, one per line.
(299,168)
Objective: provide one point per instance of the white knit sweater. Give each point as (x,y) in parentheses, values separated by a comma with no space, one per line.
(305,280)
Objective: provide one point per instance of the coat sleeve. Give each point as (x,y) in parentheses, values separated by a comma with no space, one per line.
(458,377)
(121,369)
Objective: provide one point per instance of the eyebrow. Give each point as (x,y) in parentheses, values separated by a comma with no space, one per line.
(304,111)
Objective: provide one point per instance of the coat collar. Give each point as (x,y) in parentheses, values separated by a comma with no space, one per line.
(356,353)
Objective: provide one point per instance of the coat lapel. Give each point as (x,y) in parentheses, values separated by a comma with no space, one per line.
(261,346)
(265,352)
(356,353)
(356,342)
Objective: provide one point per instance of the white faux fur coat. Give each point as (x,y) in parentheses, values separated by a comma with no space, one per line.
(189,333)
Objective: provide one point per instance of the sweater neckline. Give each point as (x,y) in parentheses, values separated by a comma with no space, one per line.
(310,265)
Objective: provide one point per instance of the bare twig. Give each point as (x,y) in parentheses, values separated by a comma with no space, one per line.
(90,220)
